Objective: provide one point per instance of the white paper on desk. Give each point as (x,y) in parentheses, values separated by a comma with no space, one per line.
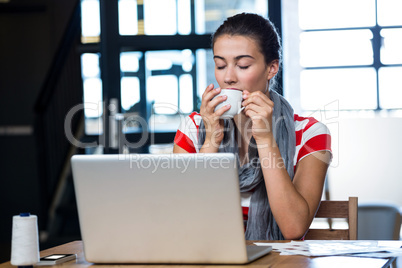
(313,248)
(381,255)
(289,248)
(390,243)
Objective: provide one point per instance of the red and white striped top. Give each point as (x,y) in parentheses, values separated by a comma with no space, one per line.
(311,136)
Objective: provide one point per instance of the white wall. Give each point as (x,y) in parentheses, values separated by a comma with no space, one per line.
(367,159)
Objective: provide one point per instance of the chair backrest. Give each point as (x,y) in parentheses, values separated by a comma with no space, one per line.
(379,221)
(333,210)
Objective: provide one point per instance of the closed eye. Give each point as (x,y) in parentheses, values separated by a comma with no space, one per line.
(244,67)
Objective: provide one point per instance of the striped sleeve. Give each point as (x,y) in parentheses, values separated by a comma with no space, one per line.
(187,134)
(311,136)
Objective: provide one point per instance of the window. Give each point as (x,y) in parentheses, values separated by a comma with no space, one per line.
(92,85)
(349,53)
(163,56)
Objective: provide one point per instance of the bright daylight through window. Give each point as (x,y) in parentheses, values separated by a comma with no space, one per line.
(174,79)
(350,54)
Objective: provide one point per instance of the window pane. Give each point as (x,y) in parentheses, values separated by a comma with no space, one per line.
(186,93)
(319,14)
(93,97)
(351,88)
(90,65)
(184,16)
(130,83)
(390,79)
(93,108)
(128,24)
(389,12)
(90,18)
(92,87)
(130,94)
(210,14)
(162,90)
(164,69)
(391,52)
(129,61)
(205,76)
(169,61)
(336,48)
(202,74)
(160,17)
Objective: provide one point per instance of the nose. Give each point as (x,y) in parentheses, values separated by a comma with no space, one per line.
(230,76)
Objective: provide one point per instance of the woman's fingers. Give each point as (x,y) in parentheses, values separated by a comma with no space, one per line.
(258,98)
(210,92)
(259,108)
(219,112)
(211,100)
(217,100)
(209,88)
(261,119)
(253,109)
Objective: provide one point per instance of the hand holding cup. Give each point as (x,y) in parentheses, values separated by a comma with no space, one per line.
(234,98)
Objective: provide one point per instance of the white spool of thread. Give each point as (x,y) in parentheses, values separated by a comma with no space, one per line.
(25,242)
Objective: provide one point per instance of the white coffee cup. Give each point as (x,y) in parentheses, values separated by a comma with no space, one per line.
(234,98)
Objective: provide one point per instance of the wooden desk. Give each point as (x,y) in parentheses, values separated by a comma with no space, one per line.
(273,259)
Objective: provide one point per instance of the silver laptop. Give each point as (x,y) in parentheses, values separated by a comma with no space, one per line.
(166,208)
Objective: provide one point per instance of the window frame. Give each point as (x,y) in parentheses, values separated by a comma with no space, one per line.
(376,46)
(111,44)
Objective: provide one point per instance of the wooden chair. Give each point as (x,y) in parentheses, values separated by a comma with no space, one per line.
(336,209)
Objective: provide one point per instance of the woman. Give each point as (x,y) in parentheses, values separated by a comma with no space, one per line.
(283,158)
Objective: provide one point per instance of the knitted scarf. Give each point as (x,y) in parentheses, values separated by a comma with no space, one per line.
(261,224)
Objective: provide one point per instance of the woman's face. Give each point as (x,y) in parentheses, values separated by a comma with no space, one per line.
(239,64)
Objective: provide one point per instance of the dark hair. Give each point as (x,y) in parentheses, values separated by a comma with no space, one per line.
(260,29)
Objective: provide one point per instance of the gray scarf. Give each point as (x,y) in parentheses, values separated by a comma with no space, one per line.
(261,224)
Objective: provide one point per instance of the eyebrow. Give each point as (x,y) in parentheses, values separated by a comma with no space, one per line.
(236,58)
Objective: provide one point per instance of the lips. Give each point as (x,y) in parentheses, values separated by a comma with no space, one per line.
(234,89)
